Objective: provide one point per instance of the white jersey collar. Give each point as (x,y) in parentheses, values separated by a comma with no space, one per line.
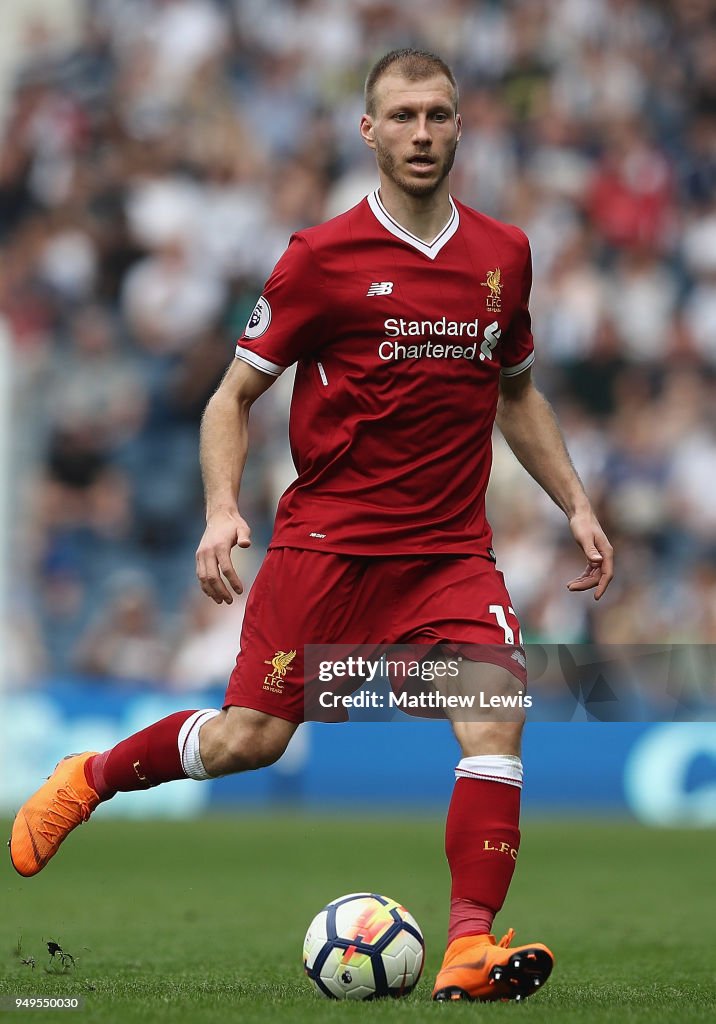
(429,249)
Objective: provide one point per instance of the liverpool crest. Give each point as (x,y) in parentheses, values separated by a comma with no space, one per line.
(281,664)
(493,281)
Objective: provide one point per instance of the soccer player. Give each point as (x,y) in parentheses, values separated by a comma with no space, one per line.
(408,319)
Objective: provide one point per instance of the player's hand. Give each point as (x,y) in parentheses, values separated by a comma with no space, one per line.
(224,531)
(592,539)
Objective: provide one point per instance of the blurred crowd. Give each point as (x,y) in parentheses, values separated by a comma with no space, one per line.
(150,177)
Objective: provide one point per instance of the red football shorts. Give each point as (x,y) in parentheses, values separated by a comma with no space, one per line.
(304,597)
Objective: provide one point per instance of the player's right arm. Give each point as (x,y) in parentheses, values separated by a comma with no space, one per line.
(224,445)
(286,323)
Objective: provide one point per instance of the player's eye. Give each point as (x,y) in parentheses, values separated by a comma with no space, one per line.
(401,115)
(440,116)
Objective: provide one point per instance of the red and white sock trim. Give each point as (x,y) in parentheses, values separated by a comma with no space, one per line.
(491,768)
(191,760)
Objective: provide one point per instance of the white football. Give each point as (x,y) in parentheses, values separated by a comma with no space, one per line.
(363,946)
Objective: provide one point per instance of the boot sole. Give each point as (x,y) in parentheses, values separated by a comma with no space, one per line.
(521,976)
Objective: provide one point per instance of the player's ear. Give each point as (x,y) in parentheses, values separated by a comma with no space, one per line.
(367,130)
(458,122)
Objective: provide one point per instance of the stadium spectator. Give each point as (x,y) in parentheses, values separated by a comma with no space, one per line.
(126,641)
(205,650)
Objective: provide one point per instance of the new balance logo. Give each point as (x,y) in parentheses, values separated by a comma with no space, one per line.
(381,288)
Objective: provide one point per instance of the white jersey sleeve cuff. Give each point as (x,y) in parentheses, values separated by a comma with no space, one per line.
(512,371)
(259,362)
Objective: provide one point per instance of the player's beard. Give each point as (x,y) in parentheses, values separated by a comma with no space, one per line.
(388,165)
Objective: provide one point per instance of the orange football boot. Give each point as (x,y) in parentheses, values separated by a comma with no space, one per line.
(47,818)
(478,968)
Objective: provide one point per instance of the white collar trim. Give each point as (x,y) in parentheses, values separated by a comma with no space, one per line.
(429,249)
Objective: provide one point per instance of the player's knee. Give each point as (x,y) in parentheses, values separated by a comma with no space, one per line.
(495,694)
(488,737)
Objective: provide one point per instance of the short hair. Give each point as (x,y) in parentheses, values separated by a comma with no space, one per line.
(414,65)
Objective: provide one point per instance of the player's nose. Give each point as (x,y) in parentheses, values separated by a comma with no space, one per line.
(422,135)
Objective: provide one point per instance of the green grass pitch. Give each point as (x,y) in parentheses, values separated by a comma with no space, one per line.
(204,921)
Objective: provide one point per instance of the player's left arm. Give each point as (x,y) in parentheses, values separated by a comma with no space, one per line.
(529,426)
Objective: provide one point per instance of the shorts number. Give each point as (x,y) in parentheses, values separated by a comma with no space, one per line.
(499,612)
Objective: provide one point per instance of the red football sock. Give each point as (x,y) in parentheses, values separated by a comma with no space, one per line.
(482,838)
(143,760)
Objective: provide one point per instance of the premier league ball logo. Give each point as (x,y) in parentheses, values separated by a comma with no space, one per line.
(259,319)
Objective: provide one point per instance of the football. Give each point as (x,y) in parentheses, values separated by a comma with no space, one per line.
(364,946)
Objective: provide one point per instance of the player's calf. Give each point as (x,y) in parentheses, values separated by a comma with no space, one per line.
(241,739)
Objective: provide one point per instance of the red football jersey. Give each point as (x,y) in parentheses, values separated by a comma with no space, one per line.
(400,345)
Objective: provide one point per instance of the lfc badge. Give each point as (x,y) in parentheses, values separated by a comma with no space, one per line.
(493,281)
(281,664)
